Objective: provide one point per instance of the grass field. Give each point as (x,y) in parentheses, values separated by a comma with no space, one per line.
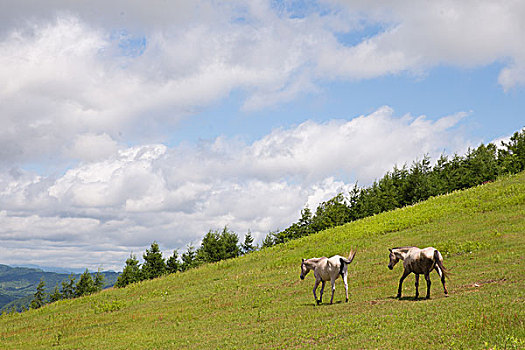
(259,302)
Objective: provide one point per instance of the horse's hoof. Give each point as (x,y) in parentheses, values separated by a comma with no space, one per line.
(427,297)
(398,296)
(346,301)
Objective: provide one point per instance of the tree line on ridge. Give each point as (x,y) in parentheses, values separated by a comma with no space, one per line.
(397,188)
(87,284)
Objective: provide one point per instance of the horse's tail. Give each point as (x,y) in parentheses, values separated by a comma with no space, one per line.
(351,255)
(439,261)
(346,261)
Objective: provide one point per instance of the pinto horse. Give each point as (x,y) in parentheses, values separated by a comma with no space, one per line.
(418,261)
(327,269)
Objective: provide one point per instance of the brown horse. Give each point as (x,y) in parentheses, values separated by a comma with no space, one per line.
(327,269)
(418,261)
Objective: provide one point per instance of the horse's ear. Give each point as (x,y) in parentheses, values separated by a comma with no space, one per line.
(390,250)
(302,260)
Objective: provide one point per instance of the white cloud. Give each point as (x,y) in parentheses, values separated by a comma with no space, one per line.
(91,147)
(421,35)
(132,71)
(363,147)
(498,142)
(66,77)
(175,195)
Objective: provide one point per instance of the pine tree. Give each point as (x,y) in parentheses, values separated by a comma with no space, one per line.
(40,297)
(172,264)
(56,296)
(131,272)
(154,264)
(99,281)
(247,246)
(229,242)
(189,259)
(211,249)
(217,246)
(333,212)
(68,288)
(269,240)
(511,154)
(85,285)
(355,202)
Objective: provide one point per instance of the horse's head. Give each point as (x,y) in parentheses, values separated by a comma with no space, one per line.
(304,270)
(393,259)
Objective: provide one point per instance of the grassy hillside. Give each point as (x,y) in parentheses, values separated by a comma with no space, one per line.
(18,284)
(258,301)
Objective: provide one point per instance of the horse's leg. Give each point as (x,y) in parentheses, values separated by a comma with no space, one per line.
(442,276)
(417,285)
(315,288)
(405,274)
(345,280)
(427,277)
(322,290)
(332,280)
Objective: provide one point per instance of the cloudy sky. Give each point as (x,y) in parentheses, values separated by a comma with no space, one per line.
(126,121)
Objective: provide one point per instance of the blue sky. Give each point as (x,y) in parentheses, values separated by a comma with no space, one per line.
(493,112)
(126,122)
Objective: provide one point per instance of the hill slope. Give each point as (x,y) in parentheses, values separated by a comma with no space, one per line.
(18,284)
(258,301)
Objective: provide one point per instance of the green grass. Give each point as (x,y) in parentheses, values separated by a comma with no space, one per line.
(18,284)
(259,302)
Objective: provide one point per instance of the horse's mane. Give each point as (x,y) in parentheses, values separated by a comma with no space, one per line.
(407,247)
(316,259)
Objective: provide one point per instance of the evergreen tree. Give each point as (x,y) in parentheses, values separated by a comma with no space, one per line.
(68,288)
(131,272)
(39,298)
(355,203)
(388,193)
(280,237)
(154,264)
(269,240)
(56,295)
(217,246)
(331,213)
(370,203)
(247,246)
(189,259)
(456,173)
(417,186)
(99,281)
(302,228)
(511,158)
(440,176)
(172,264)
(85,285)
(211,249)
(229,242)
(482,164)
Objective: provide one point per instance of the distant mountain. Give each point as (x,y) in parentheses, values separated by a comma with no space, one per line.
(18,284)
(52,268)
(66,270)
